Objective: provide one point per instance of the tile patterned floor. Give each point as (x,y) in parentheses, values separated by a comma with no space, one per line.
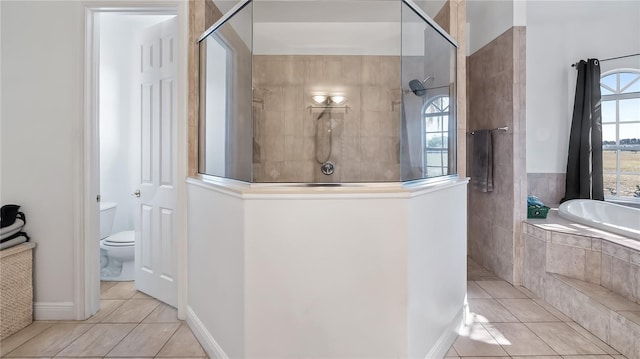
(504,321)
(507,321)
(129,324)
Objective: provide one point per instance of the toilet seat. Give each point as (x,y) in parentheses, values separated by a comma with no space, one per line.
(120,239)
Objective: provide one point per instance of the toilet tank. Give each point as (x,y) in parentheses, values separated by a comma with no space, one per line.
(107,215)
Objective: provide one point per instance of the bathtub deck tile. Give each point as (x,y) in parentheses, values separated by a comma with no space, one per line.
(605,274)
(632,316)
(566,260)
(635,257)
(571,240)
(615,250)
(621,278)
(592,267)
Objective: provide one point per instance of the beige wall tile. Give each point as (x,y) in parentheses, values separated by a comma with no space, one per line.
(615,250)
(625,336)
(570,240)
(632,316)
(559,295)
(634,257)
(621,278)
(534,255)
(606,270)
(591,315)
(565,260)
(593,266)
(537,232)
(635,282)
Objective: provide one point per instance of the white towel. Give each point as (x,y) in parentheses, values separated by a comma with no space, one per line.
(14,241)
(8,231)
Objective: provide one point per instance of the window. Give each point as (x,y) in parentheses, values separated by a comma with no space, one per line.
(436,124)
(621,132)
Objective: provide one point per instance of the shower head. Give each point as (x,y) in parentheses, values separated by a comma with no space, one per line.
(419,87)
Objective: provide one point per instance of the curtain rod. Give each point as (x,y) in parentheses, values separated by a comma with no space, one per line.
(612,58)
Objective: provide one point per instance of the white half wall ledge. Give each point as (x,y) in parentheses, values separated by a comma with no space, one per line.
(307,272)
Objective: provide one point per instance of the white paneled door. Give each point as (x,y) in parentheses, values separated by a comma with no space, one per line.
(155,257)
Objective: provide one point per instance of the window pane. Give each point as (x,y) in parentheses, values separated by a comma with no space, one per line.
(630,110)
(434,171)
(608,111)
(605,91)
(609,159)
(630,160)
(625,79)
(634,87)
(434,124)
(629,186)
(445,103)
(609,134)
(630,134)
(434,158)
(610,184)
(436,140)
(609,81)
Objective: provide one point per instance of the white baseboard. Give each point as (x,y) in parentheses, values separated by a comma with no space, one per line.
(440,349)
(54,311)
(205,338)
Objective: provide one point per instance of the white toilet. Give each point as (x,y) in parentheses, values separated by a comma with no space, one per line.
(117,250)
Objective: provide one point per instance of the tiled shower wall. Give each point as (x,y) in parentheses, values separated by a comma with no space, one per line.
(364,138)
(496,95)
(548,187)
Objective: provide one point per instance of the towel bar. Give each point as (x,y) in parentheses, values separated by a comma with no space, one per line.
(505,129)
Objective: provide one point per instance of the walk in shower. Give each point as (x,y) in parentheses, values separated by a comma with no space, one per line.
(327,92)
(334,243)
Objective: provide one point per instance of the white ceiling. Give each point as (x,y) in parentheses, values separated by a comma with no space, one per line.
(330,27)
(330,10)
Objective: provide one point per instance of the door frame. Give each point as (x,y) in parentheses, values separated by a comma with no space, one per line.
(87,253)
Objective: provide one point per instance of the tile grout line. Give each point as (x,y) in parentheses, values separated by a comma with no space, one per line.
(536,334)
(120,341)
(76,339)
(165,343)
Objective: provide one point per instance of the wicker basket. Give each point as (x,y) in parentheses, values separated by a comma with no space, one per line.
(16,288)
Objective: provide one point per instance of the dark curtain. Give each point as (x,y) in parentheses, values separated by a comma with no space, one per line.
(584,164)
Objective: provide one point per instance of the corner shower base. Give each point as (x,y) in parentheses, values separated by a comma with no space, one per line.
(608,315)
